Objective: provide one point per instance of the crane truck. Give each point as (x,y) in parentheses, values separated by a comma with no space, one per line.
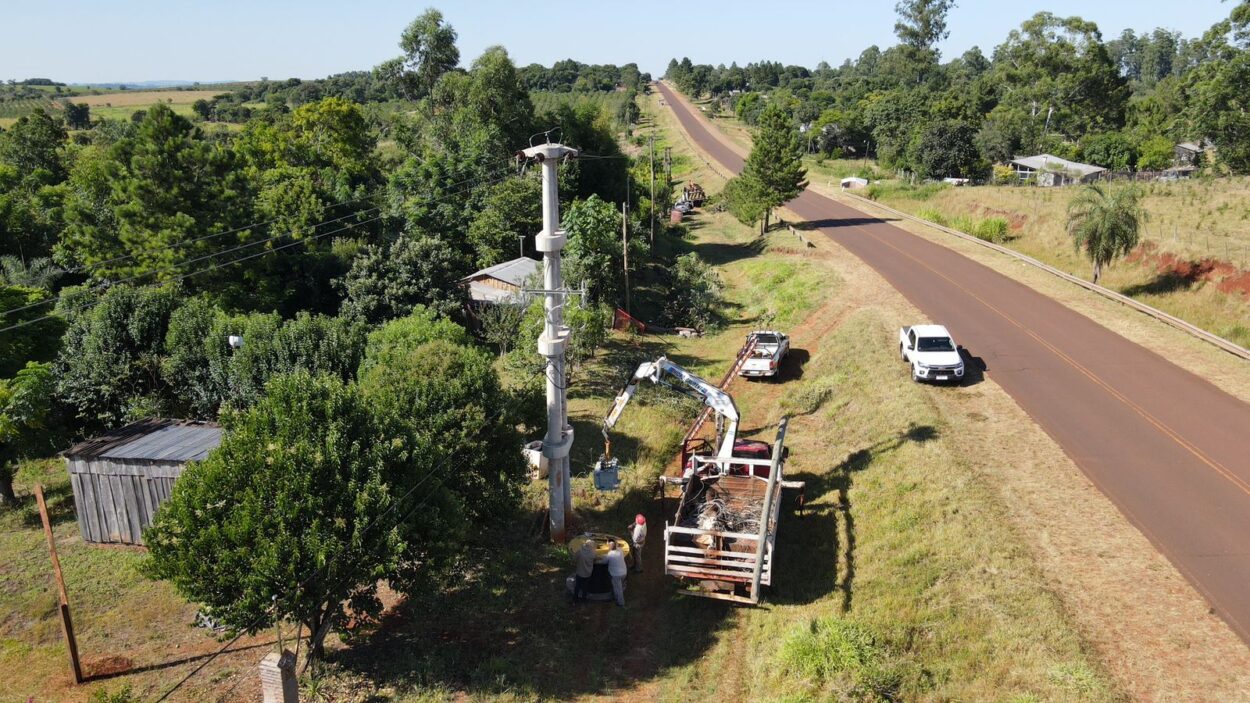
(721,540)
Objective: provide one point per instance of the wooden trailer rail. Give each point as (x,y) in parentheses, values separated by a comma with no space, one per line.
(723,563)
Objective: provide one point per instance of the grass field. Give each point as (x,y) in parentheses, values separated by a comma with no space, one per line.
(109,104)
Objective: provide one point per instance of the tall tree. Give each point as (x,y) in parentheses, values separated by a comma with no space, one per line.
(429,46)
(776,160)
(920,27)
(1105,223)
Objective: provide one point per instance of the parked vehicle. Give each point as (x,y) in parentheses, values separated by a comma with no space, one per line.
(932,353)
(768,349)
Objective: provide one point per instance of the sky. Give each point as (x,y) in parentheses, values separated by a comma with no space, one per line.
(88,41)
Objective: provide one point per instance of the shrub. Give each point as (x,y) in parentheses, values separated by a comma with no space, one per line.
(1004,175)
(932,215)
(993,229)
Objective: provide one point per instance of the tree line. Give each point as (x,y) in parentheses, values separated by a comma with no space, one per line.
(1054,85)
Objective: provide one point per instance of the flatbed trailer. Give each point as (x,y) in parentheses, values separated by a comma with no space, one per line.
(722,540)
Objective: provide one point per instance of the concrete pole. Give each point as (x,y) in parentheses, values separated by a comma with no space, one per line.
(554,340)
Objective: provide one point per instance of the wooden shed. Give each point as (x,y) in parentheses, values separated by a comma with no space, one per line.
(121,478)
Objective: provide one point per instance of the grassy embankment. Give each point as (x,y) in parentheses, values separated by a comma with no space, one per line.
(1196,242)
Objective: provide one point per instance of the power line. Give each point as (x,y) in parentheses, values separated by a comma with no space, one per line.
(174,267)
(497,178)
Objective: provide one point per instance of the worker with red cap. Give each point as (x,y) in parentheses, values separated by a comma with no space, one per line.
(638,537)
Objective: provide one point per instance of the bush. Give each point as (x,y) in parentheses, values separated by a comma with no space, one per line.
(1004,175)
(932,215)
(993,229)
(694,294)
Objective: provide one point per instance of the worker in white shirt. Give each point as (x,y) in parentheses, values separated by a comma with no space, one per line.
(617,570)
(638,537)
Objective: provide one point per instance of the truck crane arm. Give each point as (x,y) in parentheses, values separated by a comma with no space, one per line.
(656,371)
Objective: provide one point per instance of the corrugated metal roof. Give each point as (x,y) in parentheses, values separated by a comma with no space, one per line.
(156,439)
(1053,164)
(514,272)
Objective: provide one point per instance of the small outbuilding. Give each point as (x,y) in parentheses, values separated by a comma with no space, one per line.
(854,183)
(1188,153)
(121,478)
(1050,170)
(501,283)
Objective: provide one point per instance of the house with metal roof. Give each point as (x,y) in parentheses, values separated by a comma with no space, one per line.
(501,283)
(121,478)
(1050,170)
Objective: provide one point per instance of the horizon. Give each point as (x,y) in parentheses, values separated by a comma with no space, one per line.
(363,41)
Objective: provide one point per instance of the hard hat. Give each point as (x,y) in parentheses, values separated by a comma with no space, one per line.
(640,519)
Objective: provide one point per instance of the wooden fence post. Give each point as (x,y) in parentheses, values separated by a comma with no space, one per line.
(67,625)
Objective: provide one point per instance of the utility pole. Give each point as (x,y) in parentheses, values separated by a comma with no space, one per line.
(668,167)
(554,339)
(652,190)
(625,253)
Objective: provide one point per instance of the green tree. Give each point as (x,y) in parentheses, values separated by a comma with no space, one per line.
(448,395)
(25,402)
(77,115)
(921,26)
(745,199)
(390,280)
(694,294)
(39,334)
(947,149)
(300,512)
(429,46)
(1216,104)
(1155,154)
(1111,150)
(776,160)
(109,366)
(593,256)
(164,189)
(512,210)
(1104,223)
(1057,72)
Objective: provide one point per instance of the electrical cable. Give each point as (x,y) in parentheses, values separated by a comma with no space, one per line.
(498,178)
(495,178)
(495,170)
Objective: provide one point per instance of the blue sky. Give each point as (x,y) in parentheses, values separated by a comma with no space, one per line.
(137,40)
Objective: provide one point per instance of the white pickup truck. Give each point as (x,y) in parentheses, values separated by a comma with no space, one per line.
(932,353)
(769,348)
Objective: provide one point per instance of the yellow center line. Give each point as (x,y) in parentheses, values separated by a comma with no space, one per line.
(1145,414)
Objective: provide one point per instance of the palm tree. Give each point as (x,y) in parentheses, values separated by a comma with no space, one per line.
(1105,223)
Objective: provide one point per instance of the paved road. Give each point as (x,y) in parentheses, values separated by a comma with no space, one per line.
(1170,449)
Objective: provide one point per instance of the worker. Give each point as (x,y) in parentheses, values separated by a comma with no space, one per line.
(638,537)
(585,560)
(617,570)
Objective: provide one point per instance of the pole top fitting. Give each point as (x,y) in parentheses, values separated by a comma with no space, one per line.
(543,152)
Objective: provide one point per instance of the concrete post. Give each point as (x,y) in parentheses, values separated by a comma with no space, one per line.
(277,678)
(554,339)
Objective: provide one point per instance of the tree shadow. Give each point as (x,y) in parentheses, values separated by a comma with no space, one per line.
(60,502)
(508,627)
(1171,280)
(834,222)
(816,543)
(720,254)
